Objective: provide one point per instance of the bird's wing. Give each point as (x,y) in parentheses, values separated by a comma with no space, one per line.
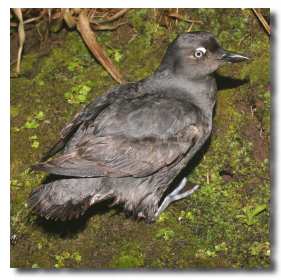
(133,138)
(91,111)
(87,114)
(67,132)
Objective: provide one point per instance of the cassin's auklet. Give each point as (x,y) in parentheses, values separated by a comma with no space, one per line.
(130,144)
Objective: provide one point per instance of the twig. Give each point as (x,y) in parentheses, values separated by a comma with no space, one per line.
(114,17)
(262,20)
(190,27)
(155,12)
(68,18)
(33,19)
(107,27)
(208,177)
(49,14)
(21,32)
(92,14)
(177,16)
(28,20)
(89,37)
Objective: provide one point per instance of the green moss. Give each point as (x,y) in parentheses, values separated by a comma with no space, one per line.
(28,63)
(129,257)
(165,234)
(138,18)
(250,213)
(34,141)
(65,257)
(78,94)
(14,111)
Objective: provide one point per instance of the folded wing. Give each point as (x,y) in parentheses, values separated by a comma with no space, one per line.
(165,130)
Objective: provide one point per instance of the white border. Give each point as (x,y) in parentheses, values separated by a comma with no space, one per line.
(7,273)
(143,4)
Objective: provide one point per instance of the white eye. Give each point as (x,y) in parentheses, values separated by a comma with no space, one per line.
(199,52)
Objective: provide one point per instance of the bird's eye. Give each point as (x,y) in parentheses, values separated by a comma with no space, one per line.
(199,52)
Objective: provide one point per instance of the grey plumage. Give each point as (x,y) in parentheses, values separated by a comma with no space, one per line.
(131,143)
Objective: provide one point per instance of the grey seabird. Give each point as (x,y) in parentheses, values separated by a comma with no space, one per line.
(130,144)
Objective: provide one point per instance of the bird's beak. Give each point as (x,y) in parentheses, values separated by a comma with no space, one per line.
(233,57)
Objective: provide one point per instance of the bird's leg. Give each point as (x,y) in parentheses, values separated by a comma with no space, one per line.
(175,195)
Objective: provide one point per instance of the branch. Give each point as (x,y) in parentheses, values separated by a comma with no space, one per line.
(177,16)
(114,17)
(89,38)
(107,27)
(262,20)
(18,13)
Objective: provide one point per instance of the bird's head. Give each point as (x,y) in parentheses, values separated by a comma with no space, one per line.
(196,55)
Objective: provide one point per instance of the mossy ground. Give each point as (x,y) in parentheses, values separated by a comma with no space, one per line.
(225,224)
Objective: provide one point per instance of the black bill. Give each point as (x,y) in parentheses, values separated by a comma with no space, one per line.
(234,57)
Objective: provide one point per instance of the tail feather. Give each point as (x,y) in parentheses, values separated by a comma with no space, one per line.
(65,199)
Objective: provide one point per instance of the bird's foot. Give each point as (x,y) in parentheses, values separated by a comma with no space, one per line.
(175,195)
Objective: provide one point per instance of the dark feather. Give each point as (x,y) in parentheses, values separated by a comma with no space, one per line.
(131,150)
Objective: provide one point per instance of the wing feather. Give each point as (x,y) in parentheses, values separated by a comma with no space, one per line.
(134,137)
(120,157)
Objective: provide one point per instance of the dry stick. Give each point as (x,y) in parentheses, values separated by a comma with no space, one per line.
(42,13)
(33,19)
(117,15)
(21,32)
(49,15)
(177,16)
(107,27)
(262,20)
(89,37)
(190,27)
(92,14)
(112,18)
(30,20)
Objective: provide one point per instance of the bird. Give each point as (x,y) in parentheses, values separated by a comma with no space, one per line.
(130,144)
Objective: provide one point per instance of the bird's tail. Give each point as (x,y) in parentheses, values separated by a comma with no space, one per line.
(66,198)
